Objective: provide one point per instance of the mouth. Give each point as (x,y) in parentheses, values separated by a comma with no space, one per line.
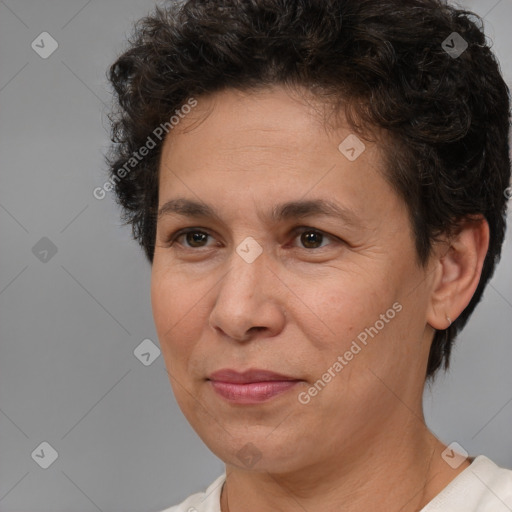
(250,387)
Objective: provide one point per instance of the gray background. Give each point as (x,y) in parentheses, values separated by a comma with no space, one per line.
(69,326)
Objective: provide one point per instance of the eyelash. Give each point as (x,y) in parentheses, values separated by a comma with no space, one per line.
(296,232)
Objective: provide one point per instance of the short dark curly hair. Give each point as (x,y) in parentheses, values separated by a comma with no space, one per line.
(386,62)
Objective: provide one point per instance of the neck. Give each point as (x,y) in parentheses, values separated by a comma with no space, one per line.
(403,475)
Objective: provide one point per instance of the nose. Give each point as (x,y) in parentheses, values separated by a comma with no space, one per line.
(249,302)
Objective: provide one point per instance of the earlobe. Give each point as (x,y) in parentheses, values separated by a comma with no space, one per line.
(460,263)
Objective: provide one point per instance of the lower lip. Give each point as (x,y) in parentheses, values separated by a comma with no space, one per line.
(253,392)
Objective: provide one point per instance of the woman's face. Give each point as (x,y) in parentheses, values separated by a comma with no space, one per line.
(334,301)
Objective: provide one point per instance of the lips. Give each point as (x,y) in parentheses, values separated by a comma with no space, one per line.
(252,375)
(250,387)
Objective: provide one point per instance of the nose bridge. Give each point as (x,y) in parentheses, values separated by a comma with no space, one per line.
(245,298)
(247,267)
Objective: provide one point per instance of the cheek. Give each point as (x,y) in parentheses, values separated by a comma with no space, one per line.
(361,318)
(176,310)
(346,303)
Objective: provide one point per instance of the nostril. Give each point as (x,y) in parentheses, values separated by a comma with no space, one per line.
(256,328)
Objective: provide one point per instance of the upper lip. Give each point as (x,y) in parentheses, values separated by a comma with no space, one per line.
(251,375)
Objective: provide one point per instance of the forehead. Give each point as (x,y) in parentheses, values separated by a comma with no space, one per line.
(277,117)
(270,144)
(233,120)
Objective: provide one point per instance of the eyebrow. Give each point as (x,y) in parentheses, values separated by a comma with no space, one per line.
(285,211)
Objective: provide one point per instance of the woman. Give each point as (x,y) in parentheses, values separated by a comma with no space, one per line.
(320,188)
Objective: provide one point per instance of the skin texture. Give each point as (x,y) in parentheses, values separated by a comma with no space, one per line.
(298,307)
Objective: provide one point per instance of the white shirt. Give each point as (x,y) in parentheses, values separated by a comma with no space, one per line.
(481,487)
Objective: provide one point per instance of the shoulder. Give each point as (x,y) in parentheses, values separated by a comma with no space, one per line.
(481,487)
(205,501)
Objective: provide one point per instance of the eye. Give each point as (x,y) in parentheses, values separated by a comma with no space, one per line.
(195,238)
(311,238)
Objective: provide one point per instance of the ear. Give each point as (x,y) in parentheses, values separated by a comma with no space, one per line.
(458,267)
